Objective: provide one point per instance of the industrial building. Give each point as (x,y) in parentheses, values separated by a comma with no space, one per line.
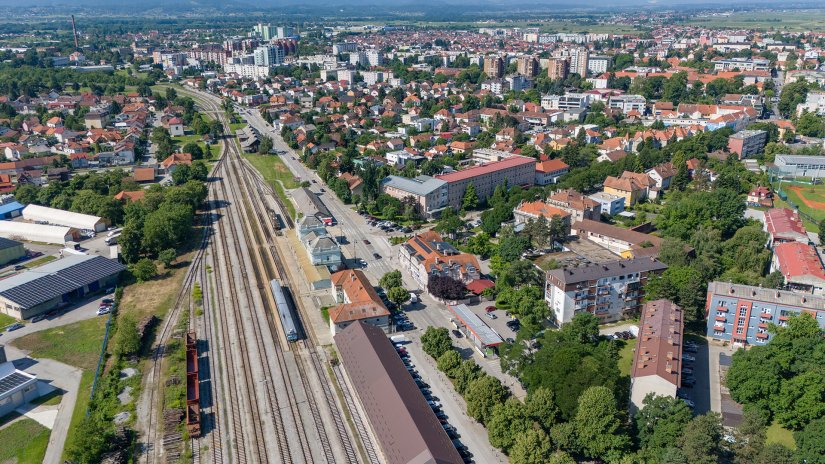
(405,426)
(658,357)
(43,214)
(10,250)
(31,232)
(800,166)
(9,208)
(16,387)
(51,285)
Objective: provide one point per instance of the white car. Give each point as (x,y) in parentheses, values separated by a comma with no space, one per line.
(103,310)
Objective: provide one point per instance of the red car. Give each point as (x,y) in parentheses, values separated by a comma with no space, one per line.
(490,309)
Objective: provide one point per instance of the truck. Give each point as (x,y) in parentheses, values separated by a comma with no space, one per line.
(399,340)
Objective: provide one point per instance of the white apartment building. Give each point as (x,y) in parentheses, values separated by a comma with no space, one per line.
(268,55)
(627,103)
(373,77)
(375,57)
(598,64)
(565,102)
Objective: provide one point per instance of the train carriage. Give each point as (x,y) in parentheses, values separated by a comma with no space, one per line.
(285,313)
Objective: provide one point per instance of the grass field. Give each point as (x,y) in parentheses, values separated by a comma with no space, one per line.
(811,193)
(6,320)
(40,261)
(235,126)
(80,406)
(777,434)
(24,441)
(795,20)
(182,140)
(626,356)
(77,344)
(276,174)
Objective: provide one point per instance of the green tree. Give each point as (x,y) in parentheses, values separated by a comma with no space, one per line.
(810,442)
(700,442)
(541,407)
(92,438)
(449,362)
(660,423)
(144,270)
(391,279)
(507,421)
(167,256)
(127,338)
(436,341)
(265,146)
(130,242)
(801,399)
(398,295)
(482,395)
(449,222)
(598,425)
(167,227)
(466,374)
(194,149)
(533,447)
(775,453)
(470,200)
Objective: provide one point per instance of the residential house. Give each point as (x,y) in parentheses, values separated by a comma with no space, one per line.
(633,186)
(801,267)
(579,206)
(657,359)
(549,172)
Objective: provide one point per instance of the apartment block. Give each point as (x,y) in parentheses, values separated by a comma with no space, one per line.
(428,193)
(494,66)
(565,102)
(628,103)
(657,360)
(428,254)
(742,314)
(558,68)
(516,170)
(747,143)
(527,66)
(611,290)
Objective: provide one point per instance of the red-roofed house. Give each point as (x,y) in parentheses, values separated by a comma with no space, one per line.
(801,267)
(175,159)
(784,225)
(357,301)
(760,196)
(548,172)
(175,126)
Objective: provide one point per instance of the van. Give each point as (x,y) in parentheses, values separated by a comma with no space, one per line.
(111,240)
(399,339)
(413,298)
(113,232)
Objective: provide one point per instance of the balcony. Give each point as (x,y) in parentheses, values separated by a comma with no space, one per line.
(721,319)
(766,316)
(721,309)
(718,328)
(762,335)
(763,326)
(783,318)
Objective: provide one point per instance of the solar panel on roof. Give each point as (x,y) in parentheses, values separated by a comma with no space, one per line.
(12,381)
(423,245)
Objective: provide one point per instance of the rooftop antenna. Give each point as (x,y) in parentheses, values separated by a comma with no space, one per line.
(74,33)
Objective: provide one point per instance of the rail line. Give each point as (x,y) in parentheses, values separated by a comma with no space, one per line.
(248,191)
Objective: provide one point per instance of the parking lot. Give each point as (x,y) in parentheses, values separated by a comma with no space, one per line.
(496,319)
(469,434)
(80,311)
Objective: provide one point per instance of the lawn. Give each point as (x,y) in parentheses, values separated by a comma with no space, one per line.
(235,126)
(24,441)
(797,20)
(80,406)
(811,193)
(182,140)
(40,261)
(77,344)
(6,320)
(276,174)
(626,356)
(783,436)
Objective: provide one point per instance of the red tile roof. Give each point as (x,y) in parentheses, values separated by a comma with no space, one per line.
(785,225)
(659,350)
(488,168)
(798,259)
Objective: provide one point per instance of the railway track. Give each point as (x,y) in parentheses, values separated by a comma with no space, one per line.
(249,196)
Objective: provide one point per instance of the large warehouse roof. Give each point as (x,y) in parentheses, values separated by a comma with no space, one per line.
(57,278)
(59,216)
(405,425)
(35,232)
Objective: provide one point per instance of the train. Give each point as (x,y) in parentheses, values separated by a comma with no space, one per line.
(193,406)
(285,313)
(276,221)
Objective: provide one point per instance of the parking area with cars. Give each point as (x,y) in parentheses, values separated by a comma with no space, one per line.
(468,436)
(85,309)
(497,319)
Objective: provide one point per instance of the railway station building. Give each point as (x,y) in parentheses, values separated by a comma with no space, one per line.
(357,301)
(405,426)
(55,284)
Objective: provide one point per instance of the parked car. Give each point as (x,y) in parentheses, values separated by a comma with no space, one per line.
(103,310)
(492,316)
(14,327)
(108,301)
(457,334)
(490,309)
(687,370)
(690,403)
(691,349)
(366,242)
